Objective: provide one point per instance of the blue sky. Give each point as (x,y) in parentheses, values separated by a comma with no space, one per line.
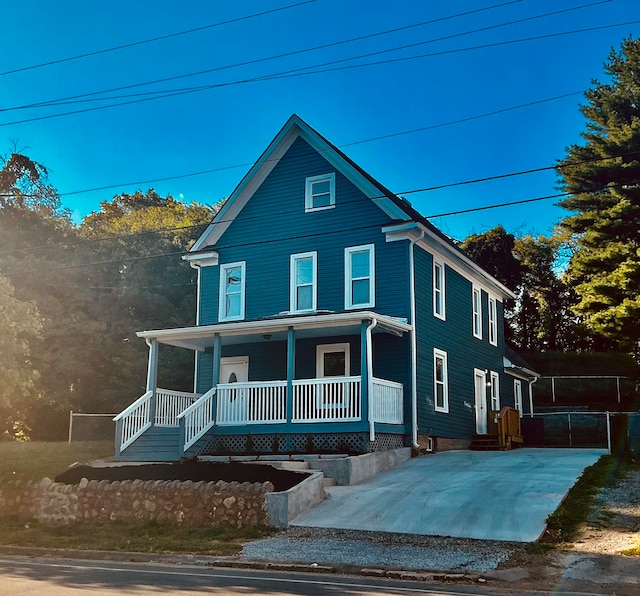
(228,125)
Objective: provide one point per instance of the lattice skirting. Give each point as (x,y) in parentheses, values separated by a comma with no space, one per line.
(317,443)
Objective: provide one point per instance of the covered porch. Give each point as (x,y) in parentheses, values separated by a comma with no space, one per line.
(287,384)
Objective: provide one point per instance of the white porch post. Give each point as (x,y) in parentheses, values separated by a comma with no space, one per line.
(152,375)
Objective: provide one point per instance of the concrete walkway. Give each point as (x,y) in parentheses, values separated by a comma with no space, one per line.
(465,494)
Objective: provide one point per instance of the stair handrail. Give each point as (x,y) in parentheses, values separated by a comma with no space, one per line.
(134,420)
(197,419)
(508,426)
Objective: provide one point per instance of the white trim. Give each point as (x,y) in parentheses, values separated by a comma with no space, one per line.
(476,311)
(494,396)
(222,295)
(308,192)
(517,396)
(439,291)
(293,302)
(202,259)
(442,355)
(321,350)
(480,401)
(349,279)
(431,242)
(493,320)
(201,337)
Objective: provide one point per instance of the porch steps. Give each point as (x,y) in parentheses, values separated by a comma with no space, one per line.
(158,443)
(484,443)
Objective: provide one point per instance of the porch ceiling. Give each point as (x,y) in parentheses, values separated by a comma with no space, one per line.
(268,330)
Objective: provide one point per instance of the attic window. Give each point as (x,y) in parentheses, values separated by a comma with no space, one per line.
(320,192)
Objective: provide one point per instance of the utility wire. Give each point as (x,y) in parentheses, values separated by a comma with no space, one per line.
(259,60)
(289,211)
(298,72)
(154,39)
(302,236)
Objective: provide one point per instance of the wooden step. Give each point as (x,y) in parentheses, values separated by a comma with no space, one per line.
(484,443)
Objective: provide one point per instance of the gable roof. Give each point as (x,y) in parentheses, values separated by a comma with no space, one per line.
(398,209)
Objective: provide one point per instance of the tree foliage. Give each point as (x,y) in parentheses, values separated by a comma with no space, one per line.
(604,222)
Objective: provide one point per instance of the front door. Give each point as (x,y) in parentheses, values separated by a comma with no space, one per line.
(480,384)
(234,369)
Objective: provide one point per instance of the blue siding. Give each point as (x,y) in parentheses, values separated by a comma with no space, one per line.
(273,226)
(464,351)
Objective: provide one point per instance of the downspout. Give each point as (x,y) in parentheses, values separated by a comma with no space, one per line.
(414,344)
(369,348)
(531,383)
(198,268)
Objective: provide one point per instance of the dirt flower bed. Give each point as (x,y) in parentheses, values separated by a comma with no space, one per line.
(195,471)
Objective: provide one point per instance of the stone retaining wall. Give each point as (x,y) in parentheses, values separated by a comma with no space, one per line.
(188,503)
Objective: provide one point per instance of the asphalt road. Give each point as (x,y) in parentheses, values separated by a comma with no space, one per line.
(26,576)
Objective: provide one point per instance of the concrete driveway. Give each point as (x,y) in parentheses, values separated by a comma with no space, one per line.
(465,494)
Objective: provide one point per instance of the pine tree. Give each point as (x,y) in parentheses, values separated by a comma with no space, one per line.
(604,225)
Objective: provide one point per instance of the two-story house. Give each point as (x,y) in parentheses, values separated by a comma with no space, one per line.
(332,317)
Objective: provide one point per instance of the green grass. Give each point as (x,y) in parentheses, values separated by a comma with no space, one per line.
(563,523)
(35,460)
(150,537)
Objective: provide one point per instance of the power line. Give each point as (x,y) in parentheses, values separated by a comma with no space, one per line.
(302,236)
(305,71)
(265,59)
(369,140)
(154,39)
(289,211)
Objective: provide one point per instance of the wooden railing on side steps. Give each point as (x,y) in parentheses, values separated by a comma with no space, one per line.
(505,423)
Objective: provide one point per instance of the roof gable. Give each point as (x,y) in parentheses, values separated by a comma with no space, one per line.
(296,128)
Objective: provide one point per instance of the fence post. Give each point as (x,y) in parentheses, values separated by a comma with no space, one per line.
(70,424)
(569,424)
(608,434)
(618,387)
(553,389)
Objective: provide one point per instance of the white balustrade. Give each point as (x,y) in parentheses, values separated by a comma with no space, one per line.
(169,404)
(386,402)
(134,420)
(330,399)
(198,418)
(257,402)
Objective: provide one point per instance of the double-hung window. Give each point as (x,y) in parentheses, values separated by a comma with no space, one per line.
(303,282)
(320,192)
(495,391)
(359,276)
(493,322)
(477,312)
(232,284)
(440,381)
(438,290)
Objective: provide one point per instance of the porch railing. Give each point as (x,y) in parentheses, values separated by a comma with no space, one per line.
(169,404)
(198,418)
(252,403)
(133,421)
(330,399)
(386,402)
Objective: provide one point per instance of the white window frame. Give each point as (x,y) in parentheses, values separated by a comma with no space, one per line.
(517,396)
(493,321)
(293,294)
(349,279)
(439,293)
(494,386)
(442,355)
(321,350)
(222,314)
(476,306)
(309,196)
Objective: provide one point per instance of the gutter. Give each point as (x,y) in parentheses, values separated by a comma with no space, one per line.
(414,343)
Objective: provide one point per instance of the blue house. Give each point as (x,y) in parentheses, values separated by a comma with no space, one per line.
(332,317)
